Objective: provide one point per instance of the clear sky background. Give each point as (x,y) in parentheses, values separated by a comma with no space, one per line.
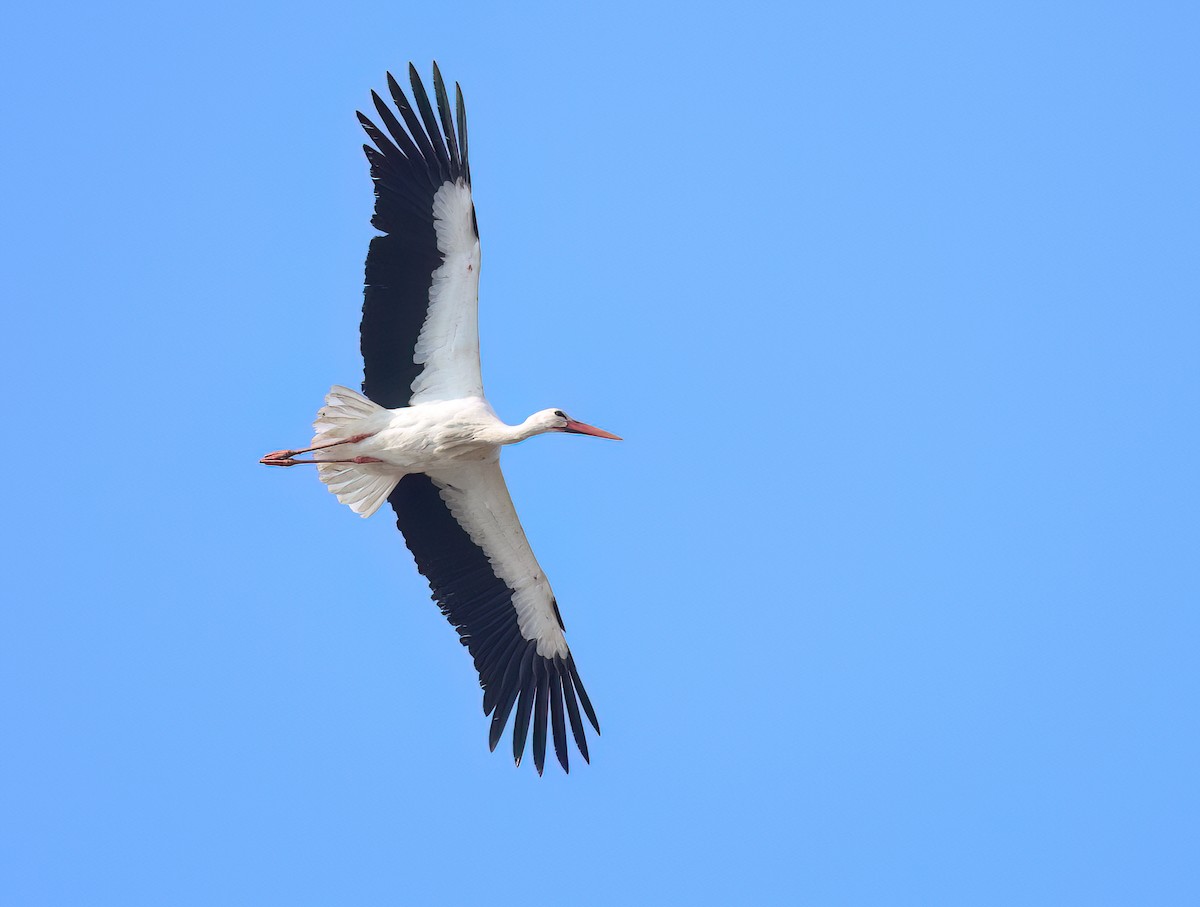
(891,595)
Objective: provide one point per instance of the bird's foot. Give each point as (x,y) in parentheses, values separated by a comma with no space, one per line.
(279,458)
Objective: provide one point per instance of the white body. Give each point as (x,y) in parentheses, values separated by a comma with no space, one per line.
(418,438)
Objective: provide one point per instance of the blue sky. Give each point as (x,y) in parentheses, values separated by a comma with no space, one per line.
(889,597)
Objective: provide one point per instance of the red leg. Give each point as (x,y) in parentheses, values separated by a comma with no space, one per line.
(277,455)
(274,460)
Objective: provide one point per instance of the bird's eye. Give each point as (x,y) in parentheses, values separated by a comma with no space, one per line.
(560,414)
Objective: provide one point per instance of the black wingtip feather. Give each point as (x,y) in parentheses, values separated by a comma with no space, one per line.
(577,730)
(461,112)
(524,709)
(443,105)
(583,696)
(500,719)
(558,725)
(541,706)
(394,86)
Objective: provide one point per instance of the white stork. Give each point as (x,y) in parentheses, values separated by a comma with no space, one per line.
(422,437)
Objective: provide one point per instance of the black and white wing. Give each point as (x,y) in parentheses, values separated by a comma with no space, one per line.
(419,331)
(464,533)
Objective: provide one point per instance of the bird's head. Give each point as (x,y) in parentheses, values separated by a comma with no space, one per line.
(557,420)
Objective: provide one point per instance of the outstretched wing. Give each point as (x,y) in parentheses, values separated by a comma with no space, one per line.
(419,331)
(464,533)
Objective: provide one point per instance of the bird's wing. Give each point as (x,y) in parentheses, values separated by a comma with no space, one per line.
(420,332)
(462,529)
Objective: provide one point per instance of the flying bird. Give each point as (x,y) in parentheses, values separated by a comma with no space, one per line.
(422,437)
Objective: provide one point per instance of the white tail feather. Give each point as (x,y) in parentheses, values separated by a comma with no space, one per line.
(363,487)
(360,489)
(343,407)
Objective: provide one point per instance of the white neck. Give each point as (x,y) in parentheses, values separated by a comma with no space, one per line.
(514,434)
